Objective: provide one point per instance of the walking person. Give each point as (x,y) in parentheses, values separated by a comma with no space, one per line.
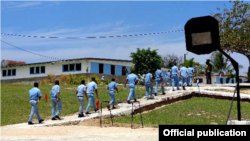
(149,84)
(55,99)
(208,71)
(35,96)
(184,75)
(190,75)
(112,87)
(168,78)
(81,89)
(159,81)
(175,76)
(132,80)
(221,79)
(91,88)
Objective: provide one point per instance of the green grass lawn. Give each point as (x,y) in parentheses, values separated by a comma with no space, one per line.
(15,107)
(194,111)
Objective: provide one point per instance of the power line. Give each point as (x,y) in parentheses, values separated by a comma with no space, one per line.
(93,37)
(30,51)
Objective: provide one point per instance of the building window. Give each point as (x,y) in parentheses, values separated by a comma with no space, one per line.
(43,69)
(37,70)
(10,72)
(78,67)
(113,69)
(101,68)
(72,67)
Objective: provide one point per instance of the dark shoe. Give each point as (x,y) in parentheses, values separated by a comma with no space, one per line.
(41,120)
(81,115)
(178,89)
(128,101)
(173,90)
(30,123)
(164,93)
(114,107)
(135,100)
(155,94)
(87,113)
(96,110)
(184,88)
(108,107)
(57,117)
(53,118)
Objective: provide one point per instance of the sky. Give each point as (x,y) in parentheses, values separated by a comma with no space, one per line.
(106,18)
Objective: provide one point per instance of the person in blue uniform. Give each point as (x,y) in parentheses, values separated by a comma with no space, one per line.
(159,81)
(55,99)
(81,89)
(184,75)
(190,75)
(149,84)
(112,87)
(35,96)
(91,88)
(168,78)
(132,80)
(175,76)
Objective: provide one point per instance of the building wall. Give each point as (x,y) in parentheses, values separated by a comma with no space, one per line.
(107,66)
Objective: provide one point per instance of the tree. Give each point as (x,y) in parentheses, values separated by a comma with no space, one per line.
(170,59)
(220,63)
(198,69)
(234,26)
(145,61)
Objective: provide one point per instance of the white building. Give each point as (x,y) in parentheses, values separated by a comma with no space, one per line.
(38,71)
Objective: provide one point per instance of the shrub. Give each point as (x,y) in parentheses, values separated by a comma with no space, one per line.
(51,78)
(44,81)
(63,79)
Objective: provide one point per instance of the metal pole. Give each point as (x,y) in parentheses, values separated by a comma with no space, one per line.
(231,105)
(236,67)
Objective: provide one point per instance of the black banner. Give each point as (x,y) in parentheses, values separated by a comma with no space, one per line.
(203,131)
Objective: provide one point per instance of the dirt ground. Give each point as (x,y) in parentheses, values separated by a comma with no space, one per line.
(79,132)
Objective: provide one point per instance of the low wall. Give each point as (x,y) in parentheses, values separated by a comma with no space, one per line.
(119,79)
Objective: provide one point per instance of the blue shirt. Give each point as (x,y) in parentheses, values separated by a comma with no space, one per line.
(190,71)
(54,91)
(148,77)
(183,71)
(112,85)
(168,75)
(81,89)
(174,70)
(158,74)
(91,87)
(132,78)
(35,93)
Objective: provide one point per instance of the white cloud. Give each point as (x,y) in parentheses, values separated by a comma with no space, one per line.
(27,4)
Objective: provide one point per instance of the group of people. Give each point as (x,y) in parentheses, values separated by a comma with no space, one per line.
(91,88)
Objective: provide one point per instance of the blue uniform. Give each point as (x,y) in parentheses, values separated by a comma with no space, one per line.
(131,83)
(148,84)
(168,78)
(175,78)
(91,87)
(55,89)
(190,75)
(112,85)
(158,80)
(34,95)
(184,75)
(81,89)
